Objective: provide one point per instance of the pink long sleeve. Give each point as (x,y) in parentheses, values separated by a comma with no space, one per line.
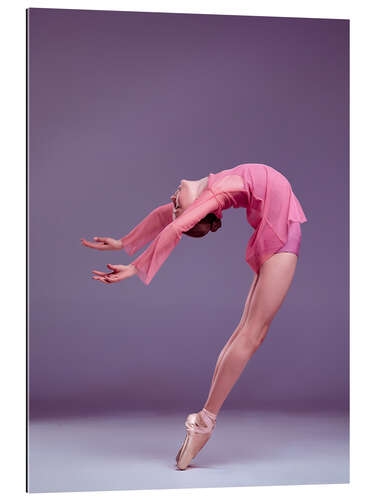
(148,228)
(150,261)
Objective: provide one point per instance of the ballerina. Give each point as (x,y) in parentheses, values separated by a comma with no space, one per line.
(275,213)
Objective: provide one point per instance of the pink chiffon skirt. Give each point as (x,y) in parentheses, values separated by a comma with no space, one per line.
(294,239)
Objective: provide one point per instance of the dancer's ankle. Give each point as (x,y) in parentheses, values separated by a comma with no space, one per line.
(209,413)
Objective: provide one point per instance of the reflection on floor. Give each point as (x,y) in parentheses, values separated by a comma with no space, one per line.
(137,451)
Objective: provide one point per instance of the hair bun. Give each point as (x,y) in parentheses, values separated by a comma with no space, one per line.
(215,225)
(213,221)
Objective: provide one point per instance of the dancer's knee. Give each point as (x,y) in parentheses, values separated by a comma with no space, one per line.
(252,336)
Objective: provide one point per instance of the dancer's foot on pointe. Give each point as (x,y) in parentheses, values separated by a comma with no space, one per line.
(199,427)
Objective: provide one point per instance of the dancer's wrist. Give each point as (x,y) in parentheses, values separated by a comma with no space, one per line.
(133,268)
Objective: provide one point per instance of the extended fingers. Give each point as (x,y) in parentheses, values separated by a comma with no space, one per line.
(88,243)
(98,246)
(100,273)
(104,277)
(103,280)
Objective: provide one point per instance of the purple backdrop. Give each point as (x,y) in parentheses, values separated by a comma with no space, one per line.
(122,105)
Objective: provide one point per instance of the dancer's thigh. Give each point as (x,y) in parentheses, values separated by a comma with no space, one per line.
(275,278)
(248,301)
(255,316)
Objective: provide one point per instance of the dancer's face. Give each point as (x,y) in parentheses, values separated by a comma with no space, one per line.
(182,198)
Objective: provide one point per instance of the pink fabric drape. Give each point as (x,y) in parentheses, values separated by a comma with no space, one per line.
(148,228)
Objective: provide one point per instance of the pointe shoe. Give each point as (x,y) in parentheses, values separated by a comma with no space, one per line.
(197,435)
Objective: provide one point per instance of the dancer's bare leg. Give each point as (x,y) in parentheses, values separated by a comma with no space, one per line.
(235,333)
(269,291)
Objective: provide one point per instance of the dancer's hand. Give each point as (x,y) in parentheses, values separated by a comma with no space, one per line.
(103,243)
(120,272)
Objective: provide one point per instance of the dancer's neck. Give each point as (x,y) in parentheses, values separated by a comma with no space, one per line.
(198,186)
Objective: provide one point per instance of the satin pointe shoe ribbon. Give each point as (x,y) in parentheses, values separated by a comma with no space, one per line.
(194,427)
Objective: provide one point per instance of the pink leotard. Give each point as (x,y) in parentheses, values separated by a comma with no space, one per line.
(272,209)
(293,242)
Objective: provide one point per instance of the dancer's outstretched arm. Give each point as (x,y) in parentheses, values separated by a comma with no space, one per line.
(141,234)
(149,262)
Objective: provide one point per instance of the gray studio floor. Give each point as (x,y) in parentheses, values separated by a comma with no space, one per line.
(137,451)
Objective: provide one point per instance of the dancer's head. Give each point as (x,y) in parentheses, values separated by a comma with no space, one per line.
(184,196)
